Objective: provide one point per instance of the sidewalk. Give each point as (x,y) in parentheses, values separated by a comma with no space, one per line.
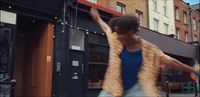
(94,93)
(163,94)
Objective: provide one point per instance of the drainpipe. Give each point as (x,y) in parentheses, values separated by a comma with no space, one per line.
(190,15)
(147,9)
(198,44)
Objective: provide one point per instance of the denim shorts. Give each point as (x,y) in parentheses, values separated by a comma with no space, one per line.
(135,91)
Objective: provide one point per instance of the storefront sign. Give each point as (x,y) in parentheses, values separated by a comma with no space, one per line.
(8,17)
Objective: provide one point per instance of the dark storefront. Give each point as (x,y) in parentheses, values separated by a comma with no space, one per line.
(26,49)
(57,50)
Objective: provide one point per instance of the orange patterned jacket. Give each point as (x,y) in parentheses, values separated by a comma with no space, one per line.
(152,60)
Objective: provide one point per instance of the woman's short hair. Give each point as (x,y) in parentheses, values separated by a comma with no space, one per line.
(124,24)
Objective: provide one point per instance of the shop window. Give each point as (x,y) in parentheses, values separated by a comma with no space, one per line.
(4,50)
(98,60)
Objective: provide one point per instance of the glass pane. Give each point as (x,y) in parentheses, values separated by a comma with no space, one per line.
(4,49)
(77,39)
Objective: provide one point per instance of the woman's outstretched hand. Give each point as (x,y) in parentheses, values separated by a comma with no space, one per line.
(94,13)
(197,75)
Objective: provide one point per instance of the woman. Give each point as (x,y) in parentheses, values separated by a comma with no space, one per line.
(134,63)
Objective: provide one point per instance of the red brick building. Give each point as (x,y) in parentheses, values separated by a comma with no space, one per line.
(186,21)
(182,20)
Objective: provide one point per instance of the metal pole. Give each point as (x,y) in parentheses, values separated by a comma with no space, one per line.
(167,87)
(195,89)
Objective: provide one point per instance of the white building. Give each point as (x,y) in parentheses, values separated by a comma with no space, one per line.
(161,16)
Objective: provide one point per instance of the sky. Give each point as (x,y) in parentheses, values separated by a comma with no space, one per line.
(192,1)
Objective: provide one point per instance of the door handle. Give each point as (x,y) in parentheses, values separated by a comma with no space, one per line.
(82,68)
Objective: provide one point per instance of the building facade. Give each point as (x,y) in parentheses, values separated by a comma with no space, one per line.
(127,7)
(59,51)
(195,24)
(161,16)
(196,7)
(186,22)
(182,21)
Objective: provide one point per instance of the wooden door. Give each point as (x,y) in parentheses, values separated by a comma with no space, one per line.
(37,75)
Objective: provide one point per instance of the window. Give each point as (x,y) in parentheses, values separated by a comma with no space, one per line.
(120,7)
(155,24)
(5,35)
(164,2)
(98,60)
(155,2)
(166,28)
(194,24)
(93,1)
(139,15)
(165,10)
(186,36)
(195,38)
(185,17)
(176,13)
(177,33)
(165,7)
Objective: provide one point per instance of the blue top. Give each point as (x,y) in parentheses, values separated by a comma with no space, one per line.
(131,62)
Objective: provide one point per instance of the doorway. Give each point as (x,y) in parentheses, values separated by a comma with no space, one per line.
(33,57)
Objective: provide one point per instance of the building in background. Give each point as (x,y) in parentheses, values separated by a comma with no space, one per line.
(195,24)
(58,50)
(196,7)
(161,16)
(128,7)
(182,21)
(186,21)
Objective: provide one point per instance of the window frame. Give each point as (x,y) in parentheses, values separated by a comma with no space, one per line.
(194,23)
(177,13)
(155,5)
(185,17)
(177,34)
(121,6)
(186,35)
(157,21)
(139,15)
(166,28)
